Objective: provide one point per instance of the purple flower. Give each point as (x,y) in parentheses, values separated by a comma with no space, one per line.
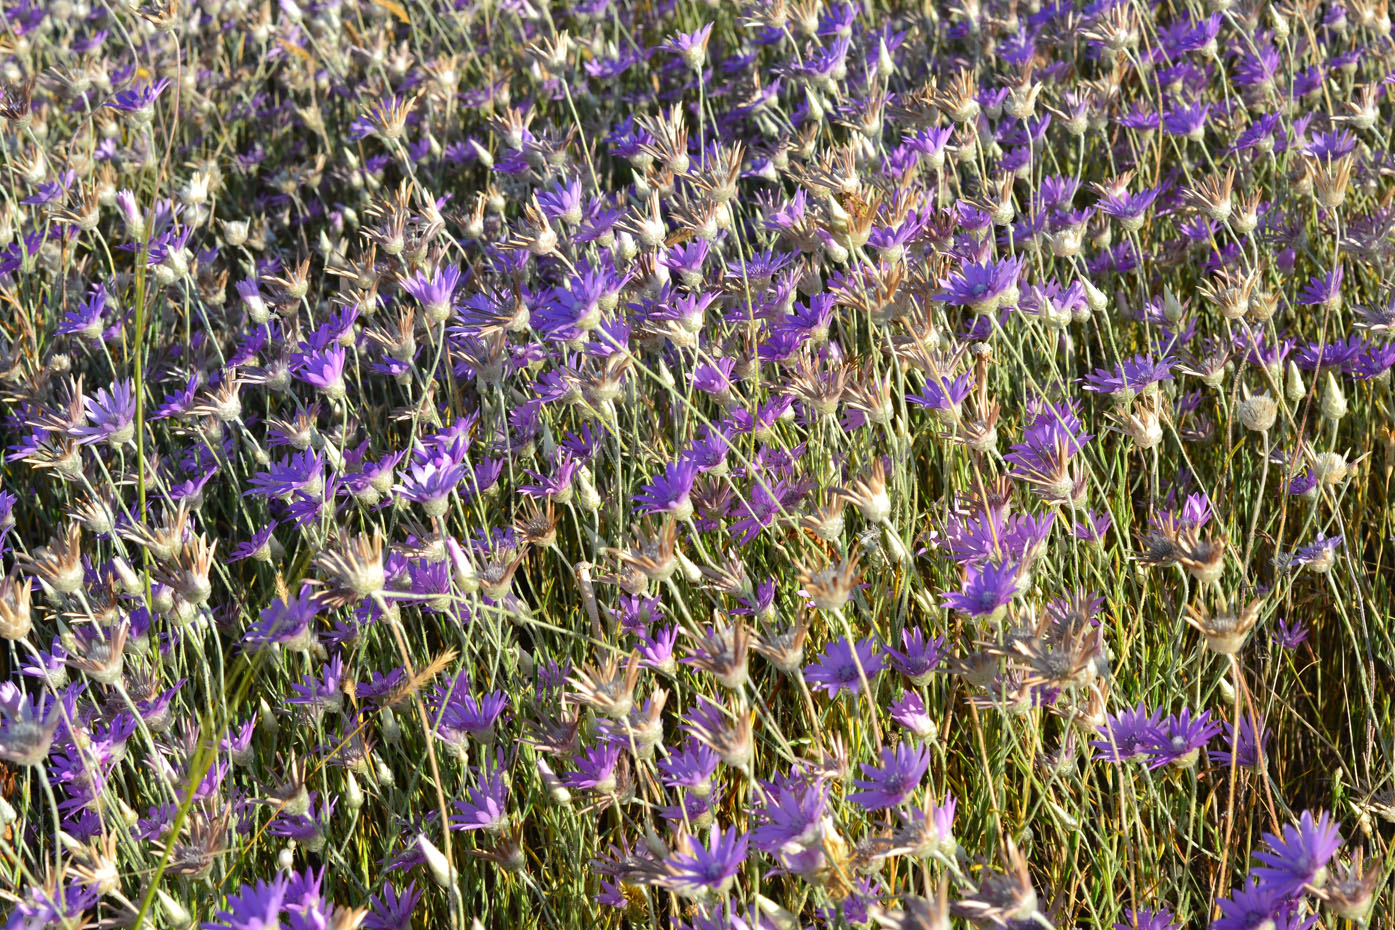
(287,623)
(1246,743)
(841,667)
(715,377)
(308,828)
(894,780)
(910,713)
(321,368)
(982,286)
(1092,528)
(920,658)
(26,726)
(430,481)
(392,910)
(139,100)
(1128,209)
(691,46)
(656,648)
(988,588)
(484,805)
(562,202)
(1248,908)
(1320,554)
(461,715)
(258,547)
(1323,290)
(435,292)
(1299,857)
(1189,121)
(1145,919)
(668,493)
(595,769)
(791,815)
(1180,738)
(254,907)
(1127,735)
(943,393)
(88,320)
(1046,459)
(48,906)
(111,414)
(1133,374)
(1291,634)
(709,868)
(691,767)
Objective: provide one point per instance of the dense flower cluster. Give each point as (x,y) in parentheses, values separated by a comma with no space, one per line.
(766,464)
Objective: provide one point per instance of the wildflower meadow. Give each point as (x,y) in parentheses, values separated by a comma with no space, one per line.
(754,464)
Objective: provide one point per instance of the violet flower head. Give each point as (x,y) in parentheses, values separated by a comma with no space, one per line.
(920,658)
(461,715)
(842,666)
(321,368)
(691,767)
(1249,907)
(139,100)
(791,815)
(435,291)
(1145,919)
(909,711)
(988,588)
(253,907)
(111,414)
(983,286)
(26,726)
(894,780)
(485,804)
(430,482)
(691,46)
(710,868)
(1134,374)
(1180,738)
(943,394)
(1298,858)
(287,623)
(668,493)
(1290,634)
(1127,735)
(392,910)
(1244,743)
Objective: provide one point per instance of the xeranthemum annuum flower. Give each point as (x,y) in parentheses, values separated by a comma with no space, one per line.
(774,464)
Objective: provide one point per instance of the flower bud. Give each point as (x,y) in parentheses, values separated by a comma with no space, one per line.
(441,872)
(175,913)
(353,794)
(1333,403)
(1294,388)
(462,569)
(587,495)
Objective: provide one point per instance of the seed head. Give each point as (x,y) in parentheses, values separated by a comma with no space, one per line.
(58,566)
(15,594)
(353,572)
(1227,629)
(1257,412)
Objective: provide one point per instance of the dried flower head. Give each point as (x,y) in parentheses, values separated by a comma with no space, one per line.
(1227,629)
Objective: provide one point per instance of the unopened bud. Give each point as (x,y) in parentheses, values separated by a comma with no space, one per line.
(353,794)
(1294,388)
(174,912)
(441,872)
(1333,404)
